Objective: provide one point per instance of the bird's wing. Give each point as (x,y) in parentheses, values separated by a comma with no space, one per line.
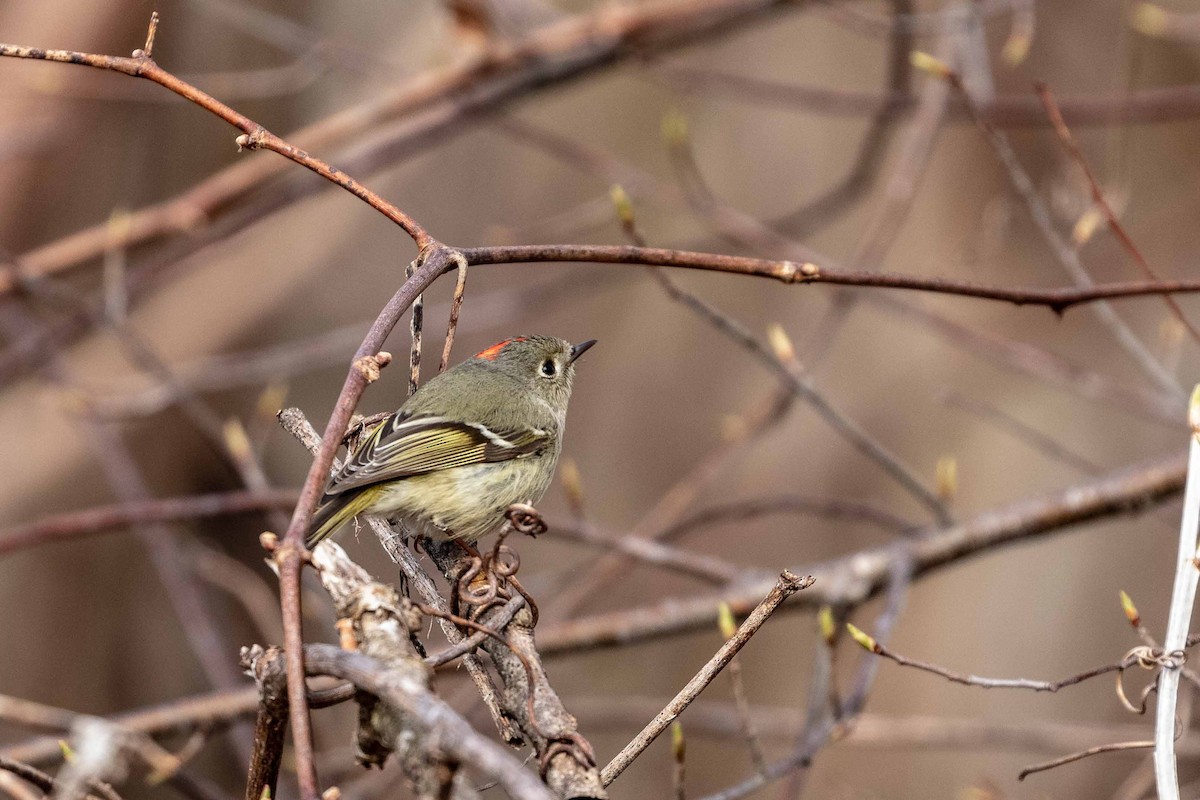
(403,446)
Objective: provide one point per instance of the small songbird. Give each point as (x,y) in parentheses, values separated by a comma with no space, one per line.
(468,444)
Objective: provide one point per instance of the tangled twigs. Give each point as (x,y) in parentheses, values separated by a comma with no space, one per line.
(524,518)
(487,579)
(565,758)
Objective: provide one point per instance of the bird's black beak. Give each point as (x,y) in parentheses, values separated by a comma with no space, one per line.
(580,349)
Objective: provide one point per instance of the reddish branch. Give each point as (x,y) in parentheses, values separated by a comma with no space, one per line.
(91,521)
(255,136)
(1057,299)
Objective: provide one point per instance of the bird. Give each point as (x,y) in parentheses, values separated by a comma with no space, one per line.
(469,443)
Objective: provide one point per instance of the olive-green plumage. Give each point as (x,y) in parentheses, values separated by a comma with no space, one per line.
(468,444)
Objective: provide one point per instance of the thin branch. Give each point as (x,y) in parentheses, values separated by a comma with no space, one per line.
(790,272)
(102,519)
(869,642)
(1064,253)
(786,585)
(415,325)
(648,551)
(460,289)
(430,103)
(1064,134)
(1115,747)
(254,136)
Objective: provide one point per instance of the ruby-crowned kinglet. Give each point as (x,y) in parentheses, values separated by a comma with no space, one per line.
(468,444)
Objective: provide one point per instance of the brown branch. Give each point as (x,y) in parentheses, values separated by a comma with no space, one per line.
(785,586)
(102,519)
(529,699)
(451,98)
(790,272)
(270,724)
(460,290)
(254,136)
(1137,658)
(1115,747)
(1066,255)
(741,510)
(648,551)
(1064,134)
(854,579)
(290,555)
(48,784)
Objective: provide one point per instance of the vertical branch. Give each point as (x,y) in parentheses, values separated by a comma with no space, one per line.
(414,327)
(270,724)
(1183,598)
(291,554)
(1068,140)
(460,288)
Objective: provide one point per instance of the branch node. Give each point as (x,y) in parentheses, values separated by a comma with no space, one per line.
(147,51)
(369,366)
(253,140)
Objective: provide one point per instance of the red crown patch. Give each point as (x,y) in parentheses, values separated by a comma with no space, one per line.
(493,351)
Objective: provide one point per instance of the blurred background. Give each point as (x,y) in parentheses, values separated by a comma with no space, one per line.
(798,132)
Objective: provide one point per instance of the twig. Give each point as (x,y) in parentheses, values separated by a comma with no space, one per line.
(498,622)
(76,524)
(1064,135)
(209,711)
(740,700)
(1037,362)
(679,759)
(460,289)
(790,272)
(1082,754)
(48,784)
(648,551)
(790,373)
(787,585)
(741,510)
(1183,597)
(1064,253)
(254,136)
(869,643)
(414,331)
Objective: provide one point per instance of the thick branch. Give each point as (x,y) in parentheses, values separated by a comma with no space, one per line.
(853,580)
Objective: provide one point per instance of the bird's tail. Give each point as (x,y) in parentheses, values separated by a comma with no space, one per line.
(335,511)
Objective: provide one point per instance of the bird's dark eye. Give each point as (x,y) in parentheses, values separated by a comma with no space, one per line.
(549,368)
